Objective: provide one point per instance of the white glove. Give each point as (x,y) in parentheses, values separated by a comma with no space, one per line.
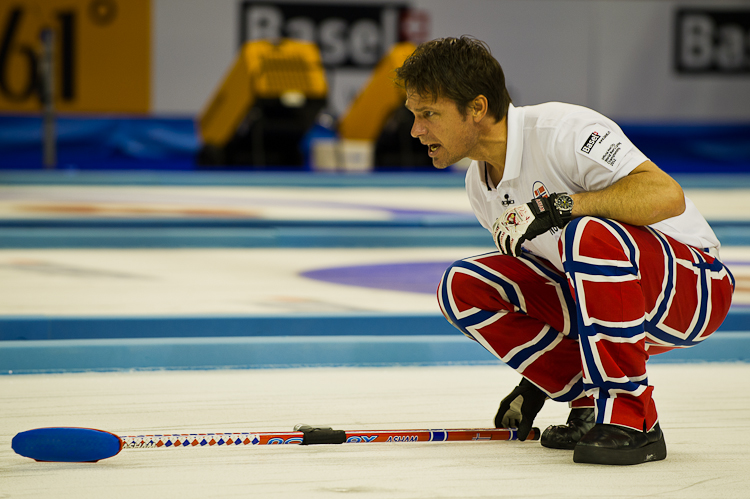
(525,222)
(509,230)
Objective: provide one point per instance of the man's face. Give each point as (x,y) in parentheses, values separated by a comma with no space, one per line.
(448,135)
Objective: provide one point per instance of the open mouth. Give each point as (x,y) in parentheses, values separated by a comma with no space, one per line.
(432,149)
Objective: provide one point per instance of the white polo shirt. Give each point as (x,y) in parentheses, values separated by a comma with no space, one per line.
(556,147)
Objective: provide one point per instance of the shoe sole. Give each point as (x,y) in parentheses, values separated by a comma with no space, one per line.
(598,455)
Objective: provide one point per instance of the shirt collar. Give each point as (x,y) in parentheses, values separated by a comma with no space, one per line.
(514,147)
(513,150)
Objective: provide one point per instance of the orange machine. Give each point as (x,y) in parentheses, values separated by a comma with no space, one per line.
(373,106)
(377,117)
(268,99)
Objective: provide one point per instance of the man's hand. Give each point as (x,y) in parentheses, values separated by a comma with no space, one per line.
(525,222)
(520,407)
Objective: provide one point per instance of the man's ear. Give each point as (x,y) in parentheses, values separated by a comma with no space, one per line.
(479,108)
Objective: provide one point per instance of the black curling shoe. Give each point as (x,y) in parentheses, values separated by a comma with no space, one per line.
(612,444)
(566,436)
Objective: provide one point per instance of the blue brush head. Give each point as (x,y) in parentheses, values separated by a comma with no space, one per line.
(68,445)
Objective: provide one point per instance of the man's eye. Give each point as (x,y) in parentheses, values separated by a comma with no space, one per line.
(428,114)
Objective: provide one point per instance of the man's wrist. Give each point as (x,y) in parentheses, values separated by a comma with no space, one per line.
(563,204)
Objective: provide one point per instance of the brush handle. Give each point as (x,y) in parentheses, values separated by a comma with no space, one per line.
(90,445)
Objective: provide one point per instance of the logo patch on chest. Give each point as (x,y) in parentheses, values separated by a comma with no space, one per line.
(540,191)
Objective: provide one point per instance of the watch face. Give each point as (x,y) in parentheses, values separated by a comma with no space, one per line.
(564,203)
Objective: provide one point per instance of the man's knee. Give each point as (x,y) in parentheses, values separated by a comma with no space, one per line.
(446,291)
(575,229)
(473,282)
(595,240)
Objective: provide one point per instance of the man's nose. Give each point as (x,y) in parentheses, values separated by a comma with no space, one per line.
(417,129)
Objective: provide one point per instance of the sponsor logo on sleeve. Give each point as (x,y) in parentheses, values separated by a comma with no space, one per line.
(593,139)
(603,146)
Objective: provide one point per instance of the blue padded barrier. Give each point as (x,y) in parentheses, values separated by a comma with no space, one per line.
(161,142)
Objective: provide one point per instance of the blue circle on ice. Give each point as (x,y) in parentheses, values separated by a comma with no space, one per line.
(416,277)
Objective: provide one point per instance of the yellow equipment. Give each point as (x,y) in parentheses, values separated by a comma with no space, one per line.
(370,110)
(274,88)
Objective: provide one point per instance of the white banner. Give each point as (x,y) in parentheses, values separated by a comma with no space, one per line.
(635,61)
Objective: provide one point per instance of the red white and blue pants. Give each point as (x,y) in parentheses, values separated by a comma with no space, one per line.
(584,336)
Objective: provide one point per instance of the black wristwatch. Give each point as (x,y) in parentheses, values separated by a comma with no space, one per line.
(564,206)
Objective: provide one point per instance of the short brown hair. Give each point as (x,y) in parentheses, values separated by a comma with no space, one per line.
(459,69)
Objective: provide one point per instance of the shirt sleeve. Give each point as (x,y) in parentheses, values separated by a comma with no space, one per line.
(601,152)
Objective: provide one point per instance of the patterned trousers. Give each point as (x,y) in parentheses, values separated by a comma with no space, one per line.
(627,293)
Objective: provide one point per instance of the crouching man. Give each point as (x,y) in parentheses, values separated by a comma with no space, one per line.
(602,261)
